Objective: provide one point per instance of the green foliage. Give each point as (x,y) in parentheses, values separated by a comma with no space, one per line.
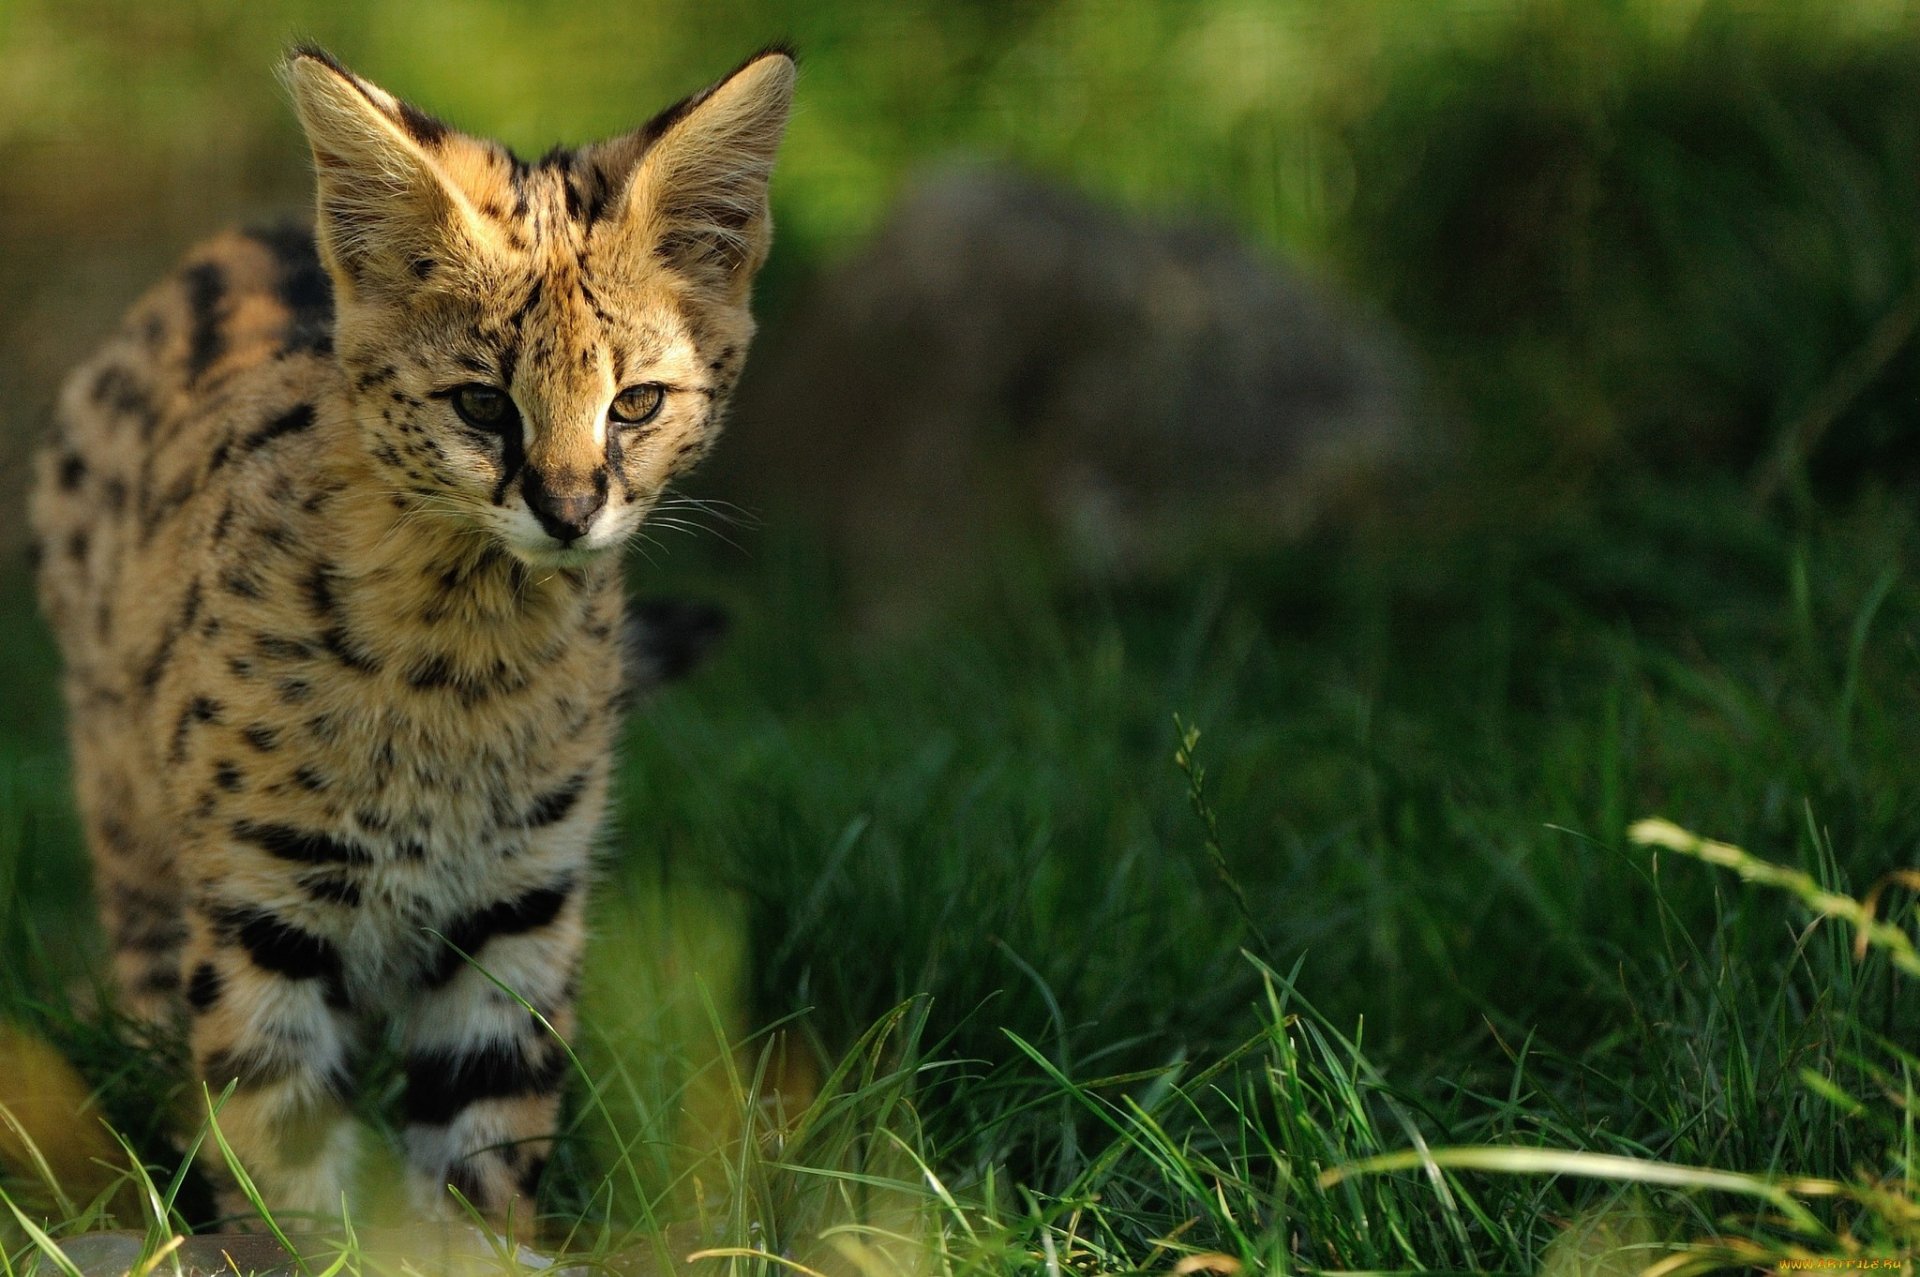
(1066,1004)
(1628,237)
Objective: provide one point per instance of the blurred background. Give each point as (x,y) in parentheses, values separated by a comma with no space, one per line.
(1490,421)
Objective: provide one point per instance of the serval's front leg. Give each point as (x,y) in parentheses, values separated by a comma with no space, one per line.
(270,1016)
(484,1076)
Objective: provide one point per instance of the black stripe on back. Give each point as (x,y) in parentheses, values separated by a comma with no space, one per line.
(302,287)
(206,285)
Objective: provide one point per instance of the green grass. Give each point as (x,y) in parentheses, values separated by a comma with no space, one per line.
(965,868)
(1367,975)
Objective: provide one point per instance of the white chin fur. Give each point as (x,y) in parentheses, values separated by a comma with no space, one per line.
(552,555)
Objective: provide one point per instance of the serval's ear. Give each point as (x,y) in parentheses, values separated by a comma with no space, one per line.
(389,213)
(692,184)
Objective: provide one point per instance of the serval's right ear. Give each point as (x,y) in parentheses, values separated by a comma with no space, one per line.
(389,213)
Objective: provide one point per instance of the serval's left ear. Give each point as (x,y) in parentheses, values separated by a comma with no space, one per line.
(390,211)
(696,175)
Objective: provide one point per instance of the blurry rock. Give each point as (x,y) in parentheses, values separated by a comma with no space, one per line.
(1009,354)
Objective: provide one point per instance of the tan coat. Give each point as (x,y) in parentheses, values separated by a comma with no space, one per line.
(330,543)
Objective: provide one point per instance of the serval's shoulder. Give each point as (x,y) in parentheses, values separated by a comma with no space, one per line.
(226,355)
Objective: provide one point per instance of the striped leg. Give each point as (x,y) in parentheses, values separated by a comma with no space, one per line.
(269,1015)
(484,1077)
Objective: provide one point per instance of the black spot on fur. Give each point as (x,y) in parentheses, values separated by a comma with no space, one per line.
(72,471)
(302,286)
(143,920)
(206,285)
(292,421)
(278,647)
(227,775)
(432,674)
(116,390)
(116,837)
(240,583)
(204,988)
(552,808)
(301,846)
(342,646)
(331,889)
(518,320)
(463,1177)
(276,945)
(261,737)
(199,710)
(444,1082)
(526,912)
(593,303)
(318,586)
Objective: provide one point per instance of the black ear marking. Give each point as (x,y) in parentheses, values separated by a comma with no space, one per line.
(425,129)
(666,119)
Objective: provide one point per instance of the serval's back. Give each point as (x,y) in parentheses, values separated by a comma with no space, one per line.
(329,534)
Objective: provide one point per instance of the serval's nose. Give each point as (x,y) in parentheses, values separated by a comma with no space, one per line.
(565,504)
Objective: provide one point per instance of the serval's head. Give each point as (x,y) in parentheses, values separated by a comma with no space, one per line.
(538,349)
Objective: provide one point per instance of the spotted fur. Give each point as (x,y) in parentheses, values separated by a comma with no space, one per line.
(344,669)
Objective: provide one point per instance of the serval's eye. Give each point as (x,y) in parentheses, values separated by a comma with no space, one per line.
(488,407)
(637,405)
